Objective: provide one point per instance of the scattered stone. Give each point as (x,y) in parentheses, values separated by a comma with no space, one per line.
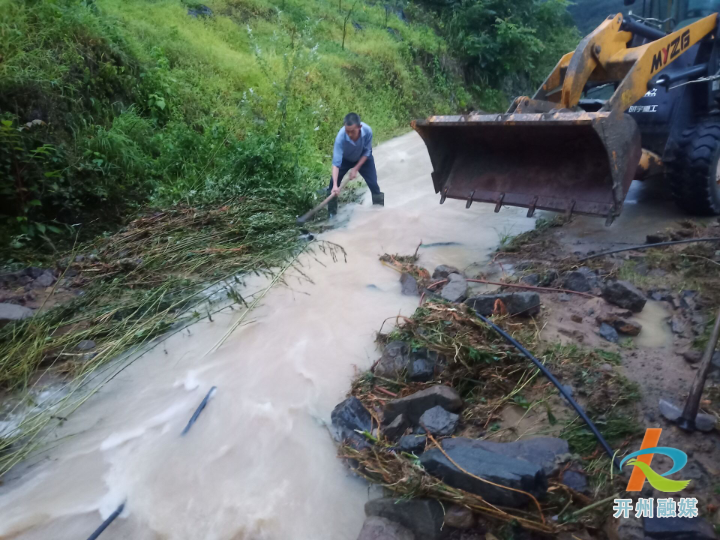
(412,443)
(396,428)
(575,480)
(421,370)
(531,279)
(692,357)
(703,422)
(394,360)
(46,279)
(629,328)
(493,467)
(608,333)
(456,289)
(409,285)
(625,295)
(423,517)
(688,300)
(565,297)
(576,318)
(443,271)
(415,405)
(33,272)
(581,280)
(459,517)
(348,416)
(675,528)
(606,367)
(13,312)
(526,304)
(677,325)
(439,422)
(378,528)
(85,345)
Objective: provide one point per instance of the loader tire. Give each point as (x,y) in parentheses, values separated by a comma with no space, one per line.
(695,171)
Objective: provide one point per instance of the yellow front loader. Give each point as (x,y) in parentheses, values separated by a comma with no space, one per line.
(564,152)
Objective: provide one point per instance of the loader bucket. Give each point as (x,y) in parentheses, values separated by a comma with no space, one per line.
(573,162)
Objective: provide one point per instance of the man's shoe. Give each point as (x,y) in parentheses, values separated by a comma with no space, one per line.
(332,207)
(378,198)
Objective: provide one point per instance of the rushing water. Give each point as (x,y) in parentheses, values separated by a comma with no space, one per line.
(259,463)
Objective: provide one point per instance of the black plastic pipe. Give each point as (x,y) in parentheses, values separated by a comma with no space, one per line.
(198,410)
(107,522)
(647,246)
(545,371)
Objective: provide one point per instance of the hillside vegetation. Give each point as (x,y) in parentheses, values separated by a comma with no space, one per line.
(588,14)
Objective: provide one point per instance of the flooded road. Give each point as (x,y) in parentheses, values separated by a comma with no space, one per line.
(259,463)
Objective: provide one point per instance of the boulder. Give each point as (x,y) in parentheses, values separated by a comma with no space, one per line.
(423,517)
(421,370)
(379,528)
(575,480)
(490,466)
(581,280)
(409,285)
(438,422)
(414,444)
(443,271)
(459,517)
(703,422)
(526,304)
(628,328)
(540,451)
(675,528)
(608,333)
(396,428)
(13,312)
(348,416)
(455,290)
(414,405)
(624,295)
(395,359)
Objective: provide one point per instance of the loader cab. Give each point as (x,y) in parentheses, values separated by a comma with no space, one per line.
(670,15)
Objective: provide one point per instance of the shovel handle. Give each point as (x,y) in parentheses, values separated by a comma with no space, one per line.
(311,213)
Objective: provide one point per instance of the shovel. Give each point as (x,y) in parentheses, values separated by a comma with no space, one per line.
(302,219)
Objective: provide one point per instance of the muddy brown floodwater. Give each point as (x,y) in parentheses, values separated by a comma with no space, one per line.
(259,463)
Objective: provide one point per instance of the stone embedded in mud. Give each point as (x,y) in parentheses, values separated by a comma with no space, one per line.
(394,360)
(396,428)
(692,357)
(421,370)
(624,295)
(581,280)
(541,451)
(675,528)
(415,405)
(13,312)
(349,416)
(677,325)
(490,466)
(443,271)
(424,517)
(456,289)
(459,517)
(46,279)
(608,333)
(575,480)
(412,443)
(379,528)
(531,279)
(437,421)
(629,328)
(526,304)
(409,285)
(703,422)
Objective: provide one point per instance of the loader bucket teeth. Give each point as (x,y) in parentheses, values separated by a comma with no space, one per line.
(571,162)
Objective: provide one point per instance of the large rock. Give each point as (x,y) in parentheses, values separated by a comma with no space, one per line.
(443,271)
(526,304)
(424,517)
(395,359)
(421,370)
(581,280)
(379,528)
(412,443)
(456,289)
(13,312)
(409,285)
(678,529)
(703,422)
(493,467)
(540,451)
(625,295)
(438,422)
(349,416)
(396,428)
(415,405)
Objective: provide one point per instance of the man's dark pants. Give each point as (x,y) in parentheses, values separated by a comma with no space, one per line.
(367,171)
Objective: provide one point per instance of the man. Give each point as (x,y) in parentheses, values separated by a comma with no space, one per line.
(353,153)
